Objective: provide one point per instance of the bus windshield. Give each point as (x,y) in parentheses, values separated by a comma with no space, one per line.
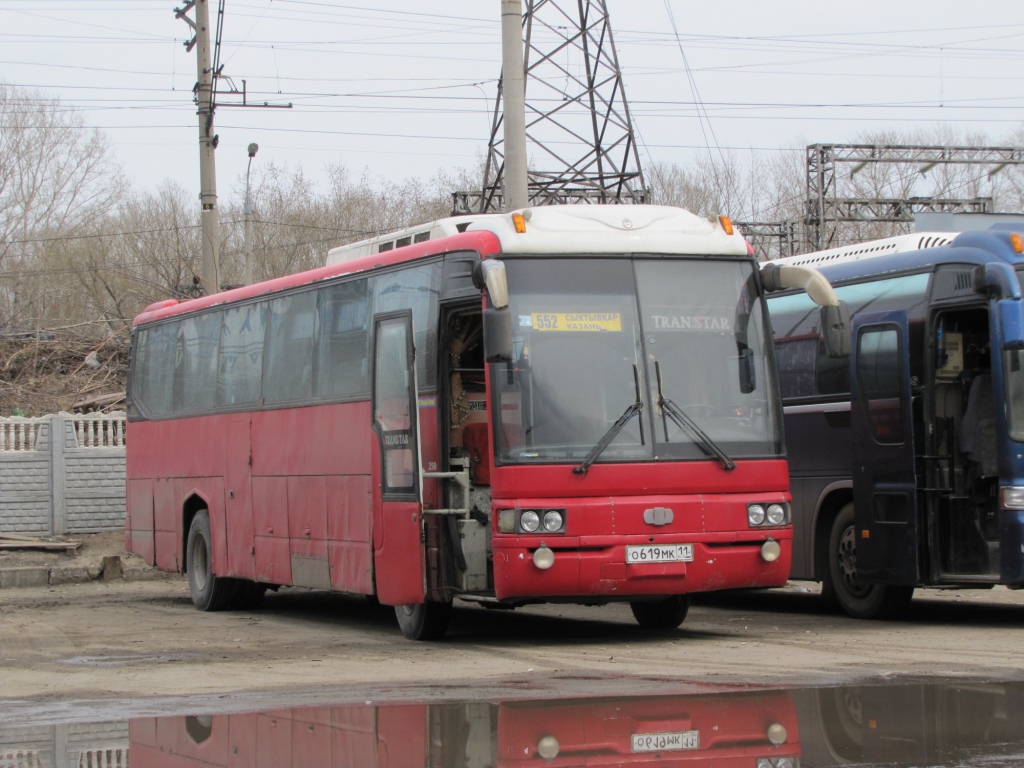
(591,337)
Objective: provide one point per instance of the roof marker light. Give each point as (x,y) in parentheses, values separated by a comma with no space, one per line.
(1017,242)
(726,223)
(519,222)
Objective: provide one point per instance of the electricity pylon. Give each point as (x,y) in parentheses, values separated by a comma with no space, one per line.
(580,138)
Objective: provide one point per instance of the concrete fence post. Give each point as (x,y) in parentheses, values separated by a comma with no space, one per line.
(58,478)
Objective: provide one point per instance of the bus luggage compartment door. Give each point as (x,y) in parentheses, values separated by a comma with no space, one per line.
(884,479)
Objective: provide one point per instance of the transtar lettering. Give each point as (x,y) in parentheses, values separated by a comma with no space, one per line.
(690,322)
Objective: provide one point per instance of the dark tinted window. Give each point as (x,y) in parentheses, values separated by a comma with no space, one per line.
(880,378)
(804,370)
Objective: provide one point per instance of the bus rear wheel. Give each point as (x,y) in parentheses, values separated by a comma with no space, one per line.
(861,601)
(663,614)
(209,592)
(424,621)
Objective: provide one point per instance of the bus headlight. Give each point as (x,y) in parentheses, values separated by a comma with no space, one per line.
(529,521)
(553,521)
(770,551)
(776,514)
(755,514)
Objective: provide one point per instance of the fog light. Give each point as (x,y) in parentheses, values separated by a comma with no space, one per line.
(543,558)
(776,514)
(529,521)
(548,747)
(770,552)
(777,734)
(755,514)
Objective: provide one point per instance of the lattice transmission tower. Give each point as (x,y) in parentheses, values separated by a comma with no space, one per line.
(580,140)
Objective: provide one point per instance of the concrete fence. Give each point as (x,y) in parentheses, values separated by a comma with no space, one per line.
(71,484)
(69,745)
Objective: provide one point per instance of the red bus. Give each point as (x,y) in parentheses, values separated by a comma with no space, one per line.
(562,404)
(732,730)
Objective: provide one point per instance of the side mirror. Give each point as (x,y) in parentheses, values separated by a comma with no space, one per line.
(835,329)
(497,335)
(489,275)
(1011,323)
(748,373)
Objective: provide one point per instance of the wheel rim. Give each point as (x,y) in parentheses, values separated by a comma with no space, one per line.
(200,563)
(408,610)
(848,564)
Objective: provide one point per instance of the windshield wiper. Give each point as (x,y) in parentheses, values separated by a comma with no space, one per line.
(681,420)
(604,442)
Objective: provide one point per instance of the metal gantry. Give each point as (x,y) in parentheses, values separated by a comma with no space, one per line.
(579,133)
(826,208)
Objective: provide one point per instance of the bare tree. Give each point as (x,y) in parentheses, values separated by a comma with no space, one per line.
(56,178)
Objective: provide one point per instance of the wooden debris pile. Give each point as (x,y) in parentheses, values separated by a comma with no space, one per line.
(48,372)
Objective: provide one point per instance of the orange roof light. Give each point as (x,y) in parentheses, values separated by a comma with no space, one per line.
(726,223)
(519,222)
(1016,242)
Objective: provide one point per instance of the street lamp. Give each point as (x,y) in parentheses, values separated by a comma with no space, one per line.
(247,212)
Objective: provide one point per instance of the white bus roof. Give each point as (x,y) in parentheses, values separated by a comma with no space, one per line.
(869,249)
(572,229)
(612,229)
(402,237)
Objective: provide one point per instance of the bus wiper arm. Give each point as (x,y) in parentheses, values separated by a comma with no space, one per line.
(604,442)
(681,420)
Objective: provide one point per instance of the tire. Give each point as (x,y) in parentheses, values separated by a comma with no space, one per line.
(248,595)
(209,592)
(861,601)
(424,621)
(664,614)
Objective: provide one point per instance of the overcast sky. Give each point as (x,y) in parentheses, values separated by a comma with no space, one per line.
(403,88)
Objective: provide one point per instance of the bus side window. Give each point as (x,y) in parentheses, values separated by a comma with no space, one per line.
(344,335)
(154,368)
(240,370)
(195,373)
(833,374)
(289,353)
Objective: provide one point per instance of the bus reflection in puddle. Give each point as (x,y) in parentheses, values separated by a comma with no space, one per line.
(943,723)
(758,730)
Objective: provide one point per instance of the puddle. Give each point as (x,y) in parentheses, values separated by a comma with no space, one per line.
(896,724)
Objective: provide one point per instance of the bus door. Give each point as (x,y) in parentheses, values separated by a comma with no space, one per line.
(398,558)
(884,477)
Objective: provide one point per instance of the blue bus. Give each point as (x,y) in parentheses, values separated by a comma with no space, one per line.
(907,459)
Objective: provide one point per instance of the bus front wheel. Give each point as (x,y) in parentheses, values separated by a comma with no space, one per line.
(861,601)
(209,592)
(424,621)
(664,614)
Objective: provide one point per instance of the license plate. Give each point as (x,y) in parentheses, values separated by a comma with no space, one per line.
(675,741)
(664,553)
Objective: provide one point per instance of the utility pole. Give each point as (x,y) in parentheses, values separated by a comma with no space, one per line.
(210,220)
(513,82)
